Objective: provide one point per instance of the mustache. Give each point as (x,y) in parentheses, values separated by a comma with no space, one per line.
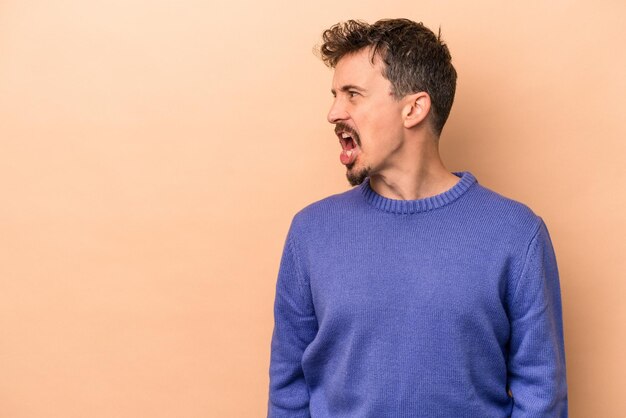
(342,127)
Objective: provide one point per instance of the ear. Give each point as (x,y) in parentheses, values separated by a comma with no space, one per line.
(416,109)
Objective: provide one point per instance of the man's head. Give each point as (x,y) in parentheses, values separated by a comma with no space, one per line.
(391,78)
(415,59)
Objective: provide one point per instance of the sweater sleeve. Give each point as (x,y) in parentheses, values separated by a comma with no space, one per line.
(536,364)
(295,326)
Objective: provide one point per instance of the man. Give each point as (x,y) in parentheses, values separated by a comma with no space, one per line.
(419,292)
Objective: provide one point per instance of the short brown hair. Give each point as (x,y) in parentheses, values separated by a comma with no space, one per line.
(415,59)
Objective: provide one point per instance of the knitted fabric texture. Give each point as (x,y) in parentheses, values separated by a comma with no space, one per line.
(447,306)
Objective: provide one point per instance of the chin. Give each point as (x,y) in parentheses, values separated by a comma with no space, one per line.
(356,176)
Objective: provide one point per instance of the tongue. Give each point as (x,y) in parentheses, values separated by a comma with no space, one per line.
(348,156)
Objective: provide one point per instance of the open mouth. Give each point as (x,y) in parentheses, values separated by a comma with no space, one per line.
(346,140)
(349,141)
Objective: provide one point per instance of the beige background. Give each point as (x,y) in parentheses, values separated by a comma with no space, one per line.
(152,154)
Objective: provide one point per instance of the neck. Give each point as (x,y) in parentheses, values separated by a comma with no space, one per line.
(417,175)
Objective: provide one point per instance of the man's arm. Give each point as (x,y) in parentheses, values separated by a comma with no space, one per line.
(295,326)
(536,365)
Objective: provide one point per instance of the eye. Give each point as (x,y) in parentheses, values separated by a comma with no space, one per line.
(353,93)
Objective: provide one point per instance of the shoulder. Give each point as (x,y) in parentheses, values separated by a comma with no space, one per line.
(326,210)
(316,223)
(509,228)
(504,214)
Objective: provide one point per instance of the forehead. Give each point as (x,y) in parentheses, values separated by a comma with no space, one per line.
(357,69)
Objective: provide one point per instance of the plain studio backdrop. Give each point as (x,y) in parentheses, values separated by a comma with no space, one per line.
(153,153)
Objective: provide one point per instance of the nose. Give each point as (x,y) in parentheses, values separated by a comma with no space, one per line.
(337,112)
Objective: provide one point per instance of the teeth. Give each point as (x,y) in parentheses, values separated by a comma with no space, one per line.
(349,153)
(345,135)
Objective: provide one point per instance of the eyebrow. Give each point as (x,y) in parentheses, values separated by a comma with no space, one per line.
(348,87)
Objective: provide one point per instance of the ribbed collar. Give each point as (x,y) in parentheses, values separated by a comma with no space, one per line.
(418,205)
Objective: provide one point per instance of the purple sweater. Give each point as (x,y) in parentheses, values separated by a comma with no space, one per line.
(447,306)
